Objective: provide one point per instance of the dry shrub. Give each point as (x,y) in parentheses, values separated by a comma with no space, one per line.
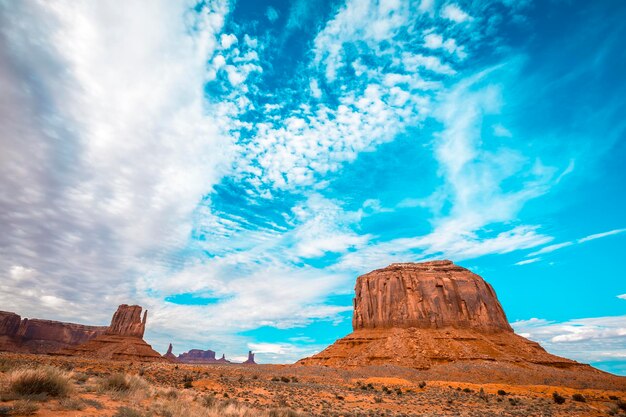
(39,381)
(117,382)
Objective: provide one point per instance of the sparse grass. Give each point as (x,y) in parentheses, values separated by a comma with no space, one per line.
(71,404)
(48,381)
(24,408)
(80,377)
(93,403)
(127,412)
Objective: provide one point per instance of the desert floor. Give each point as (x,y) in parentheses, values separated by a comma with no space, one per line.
(135,389)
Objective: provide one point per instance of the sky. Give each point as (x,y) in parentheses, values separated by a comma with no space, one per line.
(233,166)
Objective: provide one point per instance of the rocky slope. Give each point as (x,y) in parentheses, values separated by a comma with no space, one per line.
(122,339)
(42,336)
(422,315)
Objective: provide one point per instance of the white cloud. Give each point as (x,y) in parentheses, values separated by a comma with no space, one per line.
(284,352)
(227,40)
(272,14)
(427,6)
(528,261)
(435,41)
(588,340)
(501,131)
(455,13)
(552,248)
(601,235)
(108,147)
(623,296)
(19,273)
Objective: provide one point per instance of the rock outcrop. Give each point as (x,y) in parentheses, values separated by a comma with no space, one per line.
(201,356)
(420,315)
(127,321)
(250,360)
(42,336)
(123,339)
(169,355)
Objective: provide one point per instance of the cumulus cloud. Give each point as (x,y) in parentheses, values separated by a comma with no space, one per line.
(455,13)
(587,340)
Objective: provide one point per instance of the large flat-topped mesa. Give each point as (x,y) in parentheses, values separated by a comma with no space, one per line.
(428,295)
(422,315)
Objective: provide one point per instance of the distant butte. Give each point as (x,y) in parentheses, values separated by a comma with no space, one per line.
(422,315)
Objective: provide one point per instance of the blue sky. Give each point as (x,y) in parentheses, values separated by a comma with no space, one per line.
(233,166)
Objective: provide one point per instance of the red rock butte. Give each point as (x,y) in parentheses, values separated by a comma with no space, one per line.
(432,315)
(123,339)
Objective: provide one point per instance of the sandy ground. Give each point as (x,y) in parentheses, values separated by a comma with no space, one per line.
(307,391)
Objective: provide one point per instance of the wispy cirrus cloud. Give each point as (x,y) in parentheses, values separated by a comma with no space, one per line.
(557,246)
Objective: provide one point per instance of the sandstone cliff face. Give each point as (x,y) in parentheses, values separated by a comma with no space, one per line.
(422,315)
(42,336)
(9,323)
(127,321)
(427,295)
